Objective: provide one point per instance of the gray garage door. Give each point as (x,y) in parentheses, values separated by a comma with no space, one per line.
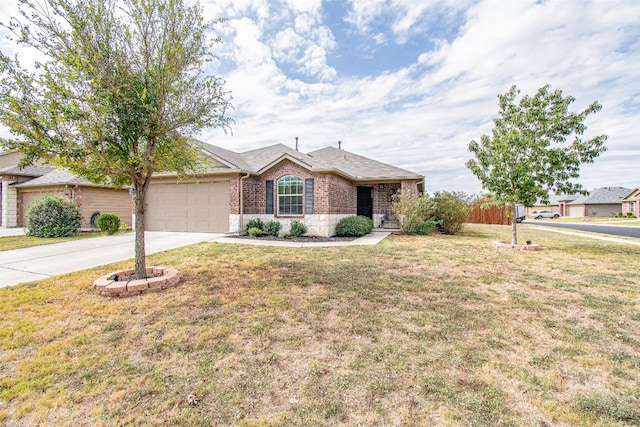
(199,207)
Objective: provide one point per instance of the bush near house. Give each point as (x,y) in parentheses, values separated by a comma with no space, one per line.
(298,229)
(450,210)
(410,209)
(426,228)
(53,216)
(255,223)
(108,223)
(272,228)
(354,226)
(254,231)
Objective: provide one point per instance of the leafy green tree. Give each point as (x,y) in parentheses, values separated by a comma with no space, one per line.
(117,94)
(536,146)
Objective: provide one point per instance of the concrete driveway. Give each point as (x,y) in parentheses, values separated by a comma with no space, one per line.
(29,264)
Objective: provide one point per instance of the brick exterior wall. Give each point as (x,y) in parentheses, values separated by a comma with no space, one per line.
(382,197)
(334,197)
(234,195)
(341,196)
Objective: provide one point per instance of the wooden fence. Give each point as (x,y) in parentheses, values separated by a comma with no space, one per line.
(491,215)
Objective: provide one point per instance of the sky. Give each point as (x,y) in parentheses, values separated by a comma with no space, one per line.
(412,82)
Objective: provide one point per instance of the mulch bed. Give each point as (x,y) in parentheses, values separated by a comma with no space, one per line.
(301,239)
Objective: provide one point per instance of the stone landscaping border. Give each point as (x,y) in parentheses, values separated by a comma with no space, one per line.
(530,247)
(166,278)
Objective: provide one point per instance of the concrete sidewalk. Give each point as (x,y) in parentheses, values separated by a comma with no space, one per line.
(38,262)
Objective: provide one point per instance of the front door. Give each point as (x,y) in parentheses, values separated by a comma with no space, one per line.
(365,202)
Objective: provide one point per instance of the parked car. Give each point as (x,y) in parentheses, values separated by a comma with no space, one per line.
(544,214)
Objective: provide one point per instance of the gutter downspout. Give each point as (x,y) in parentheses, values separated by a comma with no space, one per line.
(241,222)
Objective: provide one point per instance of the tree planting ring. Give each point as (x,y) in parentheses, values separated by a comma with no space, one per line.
(117,284)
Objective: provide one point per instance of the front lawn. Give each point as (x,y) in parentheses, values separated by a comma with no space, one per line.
(437,330)
(8,243)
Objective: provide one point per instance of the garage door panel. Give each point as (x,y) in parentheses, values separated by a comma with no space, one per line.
(199,207)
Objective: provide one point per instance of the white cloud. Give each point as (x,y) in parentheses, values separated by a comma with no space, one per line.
(276,60)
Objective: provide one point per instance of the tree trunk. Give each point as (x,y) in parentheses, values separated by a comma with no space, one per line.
(140,254)
(514,223)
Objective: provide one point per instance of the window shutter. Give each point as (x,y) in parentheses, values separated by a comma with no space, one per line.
(269,197)
(308,196)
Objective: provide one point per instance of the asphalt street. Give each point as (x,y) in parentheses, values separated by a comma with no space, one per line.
(615,230)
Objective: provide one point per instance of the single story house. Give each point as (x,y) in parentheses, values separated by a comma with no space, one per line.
(21,186)
(631,202)
(276,183)
(557,203)
(603,202)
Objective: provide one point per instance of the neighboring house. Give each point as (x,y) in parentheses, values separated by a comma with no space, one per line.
(631,203)
(557,203)
(21,186)
(602,202)
(276,183)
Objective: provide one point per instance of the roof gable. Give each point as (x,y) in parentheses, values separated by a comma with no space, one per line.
(328,159)
(633,195)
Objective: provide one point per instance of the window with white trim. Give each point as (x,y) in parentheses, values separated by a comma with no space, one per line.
(290,196)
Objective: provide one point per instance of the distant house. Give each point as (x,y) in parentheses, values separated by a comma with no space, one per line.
(21,186)
(276,183)
(557,203)
(601,202)
(631,202)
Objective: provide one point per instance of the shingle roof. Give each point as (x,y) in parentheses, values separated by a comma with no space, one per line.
(603,195)
(54,177)
(231,158)
(357,166)
(555,199)
(324,160)
(32,171)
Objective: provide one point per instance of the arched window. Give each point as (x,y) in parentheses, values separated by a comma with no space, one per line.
(290,191)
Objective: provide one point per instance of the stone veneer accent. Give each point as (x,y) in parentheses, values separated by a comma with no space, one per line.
(317,225)
(10,204)
(111,288)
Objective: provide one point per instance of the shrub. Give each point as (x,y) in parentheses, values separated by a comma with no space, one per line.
(354,226)
(410,209)
(255,223)
(426,228)
(297,228)
(108,223)
(630,215)
(451,210)
(272,228)
(254,231)
(53,216)
(283,235)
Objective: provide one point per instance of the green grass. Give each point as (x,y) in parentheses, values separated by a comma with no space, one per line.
(8,243)
(437,330)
